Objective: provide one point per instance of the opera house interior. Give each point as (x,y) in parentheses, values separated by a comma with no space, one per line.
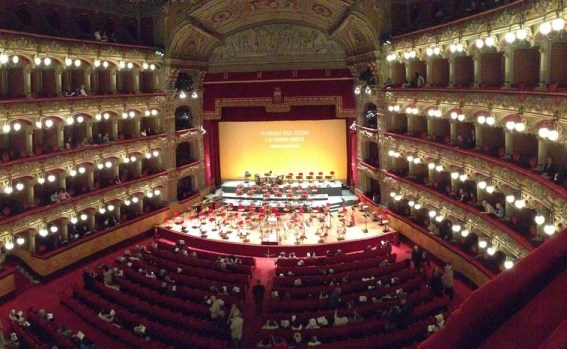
(283,174)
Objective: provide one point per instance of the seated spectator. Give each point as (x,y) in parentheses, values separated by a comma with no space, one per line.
(312,324)
(296,340)
(488,208)
(80,91)
(313,342)
(107,315)
(270,325)
(65,331)
(85,343)
(103,36)
(356,318)
(216,305)
(18,317)
(392,317)
(405,317)
(54,197)
(295,324)
(63,195)
(105,139)
(97,35)
(388,83)
(117,180)
(264,343)
(340,320)
(140,330)
(499,211)
(549,169)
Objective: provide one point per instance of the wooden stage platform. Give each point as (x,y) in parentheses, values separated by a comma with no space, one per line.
(257,234)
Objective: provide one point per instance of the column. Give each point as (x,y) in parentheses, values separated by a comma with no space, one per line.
(140,205)
(544,63)
(509,143)
(90,178)
(113,80)
(90,221)
(453,131)
(64,231)
(477,70)
(408,71)
(29,140)
(62,181)
(29,192)
(508,68)
(31,240)
(4,81)
(94,82)
(89,129)
(429,71)
(58,81)
(114,123)
(87,80)
(27,80)
(429,127)
(116,169)
(541,153)
(478,136)
(409,124)
(138,166)
(60,135)
(137,123)
(117,212)
(451,71)
(136,73)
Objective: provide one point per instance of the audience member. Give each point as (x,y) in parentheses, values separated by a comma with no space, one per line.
(63,195)
(488,208)
(334,300)
(499,211)
(418,80)
(416,258)
(258,292)
(313,342)
(448,281)
(236,324)
(340,320)
(436,284)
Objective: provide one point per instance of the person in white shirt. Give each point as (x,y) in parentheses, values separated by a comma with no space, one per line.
(340,320)
(236,324)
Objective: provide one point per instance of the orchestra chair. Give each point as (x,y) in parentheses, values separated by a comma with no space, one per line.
(320,176)
(309,177)
(299,177)
(247,176)
(289,177)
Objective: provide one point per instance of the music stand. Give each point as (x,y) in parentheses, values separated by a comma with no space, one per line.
(364,209)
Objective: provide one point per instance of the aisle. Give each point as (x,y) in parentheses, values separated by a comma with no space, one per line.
(265,270)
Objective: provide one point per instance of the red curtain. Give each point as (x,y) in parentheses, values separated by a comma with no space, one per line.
(212,155)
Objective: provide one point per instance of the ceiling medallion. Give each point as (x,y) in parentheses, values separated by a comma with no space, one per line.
(221,16)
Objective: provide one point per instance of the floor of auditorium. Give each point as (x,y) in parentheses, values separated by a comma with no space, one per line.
(47,295)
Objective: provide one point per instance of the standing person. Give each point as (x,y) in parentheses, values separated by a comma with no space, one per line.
(416,258)
(258,292)
(448,281)
(236,324)
(418,80)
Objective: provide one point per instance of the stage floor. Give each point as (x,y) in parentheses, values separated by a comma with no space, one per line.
(284,229)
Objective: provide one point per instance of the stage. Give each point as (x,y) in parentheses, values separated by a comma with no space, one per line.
(257,231)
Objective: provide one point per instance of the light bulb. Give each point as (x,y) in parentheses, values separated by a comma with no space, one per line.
(48,123)
(152,66)
(135,199)
(454,115)
(145,65)
(490,41)
(111,207)
(482,244)
(74,220)
(53,229)
(68,61)
(508,264)
(491,250)
(77,63)
(398,197)
(155,153)
(147,112)
(133,158)
(82,170)
(411,203)
(70,120)
(431,166)
(122,64)
(9,245)
(439,168)
(453,48)
(17,126)
(558,24)
(20,240)
(479,43)
(409,158)
(149,194)
(43,232)
(416,161)
(392,194)
(549,229)
(37,60)
(553,135)
(432,213)
(8,190)
(429,51)
(6,128)
(194,95)
(100,166)
(417,206)
(510,125)
(102,210)
(96,63)
(183,95)
(15,59)
(127,202)
(51,178)
(521,34)
(543,132)
(131,113)
(456,228)
(490,189)
(80,119)
(106,116)
(47,61)
(157,192)
(520,127)
(148,155)
(84,216)
(124,115)
(154,112)
(40,180)
(455,175)
(3,58)
(520,203)
(108,164)
(73,173)
(130,65)
(439,218)
(436,50)
(460,47)
(20,186)
(126,160)
(461,117)
(464,233)
(545,28)
(105,64)
(482,184)
(539,219)
(490,120)
(510,37)
(463,177)
(510,198)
